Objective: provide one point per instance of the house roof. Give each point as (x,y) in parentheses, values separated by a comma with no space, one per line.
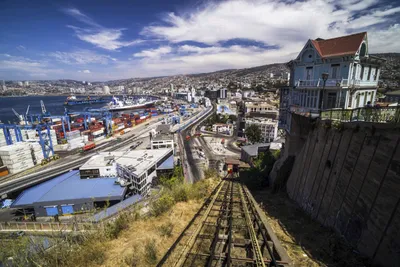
(252,150)
(340,46)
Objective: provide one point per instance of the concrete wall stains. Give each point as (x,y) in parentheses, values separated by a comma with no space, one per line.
(348,178)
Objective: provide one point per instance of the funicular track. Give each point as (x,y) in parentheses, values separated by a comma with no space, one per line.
(228,230)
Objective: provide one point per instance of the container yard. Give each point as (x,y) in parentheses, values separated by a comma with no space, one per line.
(24,146)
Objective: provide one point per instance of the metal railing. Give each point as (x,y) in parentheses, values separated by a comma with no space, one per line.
(335,83)
(46,226)
(372,114)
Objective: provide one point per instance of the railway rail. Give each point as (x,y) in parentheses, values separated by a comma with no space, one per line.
(228,230)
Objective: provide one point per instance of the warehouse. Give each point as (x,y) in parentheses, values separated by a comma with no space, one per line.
(68,193)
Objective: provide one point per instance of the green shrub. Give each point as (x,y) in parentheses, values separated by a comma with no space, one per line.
(166,229)
(210,173)
(151,252)
(113,229)
(180,193)
(161,205)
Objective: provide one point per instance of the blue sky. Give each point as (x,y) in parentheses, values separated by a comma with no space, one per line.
(105,40)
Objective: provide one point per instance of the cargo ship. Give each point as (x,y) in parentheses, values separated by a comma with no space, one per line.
(72,100)
(130,103)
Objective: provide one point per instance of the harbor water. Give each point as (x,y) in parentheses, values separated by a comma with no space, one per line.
(54,105)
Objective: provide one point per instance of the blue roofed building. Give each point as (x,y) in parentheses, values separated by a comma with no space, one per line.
(68,193)
(90,187)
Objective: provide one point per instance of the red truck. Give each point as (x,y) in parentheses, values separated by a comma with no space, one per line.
(88,146)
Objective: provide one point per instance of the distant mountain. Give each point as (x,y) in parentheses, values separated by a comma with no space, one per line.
(390,74)
(276,68)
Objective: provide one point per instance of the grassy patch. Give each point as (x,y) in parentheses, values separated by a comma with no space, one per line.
(127,240)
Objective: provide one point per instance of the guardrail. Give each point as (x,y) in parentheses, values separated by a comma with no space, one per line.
(371,114)
(45,226)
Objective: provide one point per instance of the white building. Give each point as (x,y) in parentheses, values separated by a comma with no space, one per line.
(135,169)
(268,127)
(106,90)
(100,165)
(26,83)
(163,138)
(222,93)
(222,128)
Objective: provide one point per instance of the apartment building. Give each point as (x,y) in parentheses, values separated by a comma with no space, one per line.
(268,127)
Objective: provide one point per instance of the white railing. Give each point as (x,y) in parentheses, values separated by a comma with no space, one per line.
(335,83)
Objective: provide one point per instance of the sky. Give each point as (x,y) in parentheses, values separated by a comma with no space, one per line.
(107,40)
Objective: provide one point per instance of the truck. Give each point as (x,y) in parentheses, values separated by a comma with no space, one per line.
(88,146)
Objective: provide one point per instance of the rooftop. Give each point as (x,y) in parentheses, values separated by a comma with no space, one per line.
(252,150)
(163,128)
(261,120)
(160,137)
(140,160)
(69,186)
(339,46)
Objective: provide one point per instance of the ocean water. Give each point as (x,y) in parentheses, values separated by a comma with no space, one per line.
(53,104)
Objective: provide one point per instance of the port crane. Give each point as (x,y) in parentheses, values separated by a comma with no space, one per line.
(21,118)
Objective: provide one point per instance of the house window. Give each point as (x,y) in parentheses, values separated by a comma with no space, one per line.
(309,73)
(335,71)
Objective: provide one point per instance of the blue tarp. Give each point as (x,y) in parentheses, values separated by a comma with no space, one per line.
(167,164)
(69,186)
(116,208)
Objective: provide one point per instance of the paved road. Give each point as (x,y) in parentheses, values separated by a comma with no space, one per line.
(188,145)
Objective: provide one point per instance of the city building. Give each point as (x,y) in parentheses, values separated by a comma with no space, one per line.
(223,128)
(223,93)
(331,73)
(106,90)
(68,194)
(268,127)
(138,168)
(163,138)
(260,109)
(212,94)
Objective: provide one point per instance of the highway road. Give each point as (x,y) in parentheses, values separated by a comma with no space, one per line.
(16,185)
(188,147)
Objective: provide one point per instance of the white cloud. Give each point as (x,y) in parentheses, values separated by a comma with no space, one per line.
(285,25)
(154,53)
(33,68)
(86,71)
(94,33)
(384,41)
(271,22)
(21,48)
(81,57)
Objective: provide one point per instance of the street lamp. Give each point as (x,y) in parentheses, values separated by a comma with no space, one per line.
(321,93)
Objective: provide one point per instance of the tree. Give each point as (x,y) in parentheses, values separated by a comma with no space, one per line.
(253,133)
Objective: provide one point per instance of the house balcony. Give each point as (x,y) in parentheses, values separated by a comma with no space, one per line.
(335,83)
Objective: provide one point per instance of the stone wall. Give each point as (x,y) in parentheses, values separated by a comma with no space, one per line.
(347,177)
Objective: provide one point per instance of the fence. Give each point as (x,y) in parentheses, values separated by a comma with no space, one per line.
(375,114)
(45,226)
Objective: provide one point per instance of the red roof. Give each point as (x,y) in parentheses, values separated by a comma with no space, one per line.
(340,46)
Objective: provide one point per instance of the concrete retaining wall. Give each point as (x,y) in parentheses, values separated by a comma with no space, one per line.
(349,179)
